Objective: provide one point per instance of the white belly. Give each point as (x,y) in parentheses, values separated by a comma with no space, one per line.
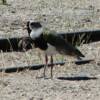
(51,50)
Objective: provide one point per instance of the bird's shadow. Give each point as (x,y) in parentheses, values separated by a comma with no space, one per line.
(77,78)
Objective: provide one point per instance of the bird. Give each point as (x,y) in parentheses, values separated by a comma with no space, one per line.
(50,43)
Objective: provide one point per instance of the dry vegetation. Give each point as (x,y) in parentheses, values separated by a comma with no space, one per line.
(62,16)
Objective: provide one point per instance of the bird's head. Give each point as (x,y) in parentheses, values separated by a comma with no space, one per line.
(35,29)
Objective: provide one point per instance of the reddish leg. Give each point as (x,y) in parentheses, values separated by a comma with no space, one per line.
(51,66)
(46,61)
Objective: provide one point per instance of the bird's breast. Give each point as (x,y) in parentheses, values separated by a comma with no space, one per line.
(51,50)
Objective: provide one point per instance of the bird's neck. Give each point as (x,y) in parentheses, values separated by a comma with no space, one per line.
(40,42)
(35,33)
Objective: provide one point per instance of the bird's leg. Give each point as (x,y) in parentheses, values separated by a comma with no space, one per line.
(46,61)
(51,66)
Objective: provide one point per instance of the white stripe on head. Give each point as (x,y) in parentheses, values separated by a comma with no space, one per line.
(35,33)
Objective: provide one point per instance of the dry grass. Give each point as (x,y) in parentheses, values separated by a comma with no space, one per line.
(62,16)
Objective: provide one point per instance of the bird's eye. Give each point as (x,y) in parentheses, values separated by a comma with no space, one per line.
(32,24)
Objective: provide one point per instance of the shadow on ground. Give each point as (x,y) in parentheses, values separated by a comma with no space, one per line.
(78,78)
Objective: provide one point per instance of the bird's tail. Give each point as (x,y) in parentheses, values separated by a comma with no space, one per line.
(74,50)
(78,53)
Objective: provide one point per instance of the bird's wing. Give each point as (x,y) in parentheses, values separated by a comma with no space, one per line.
(61,45)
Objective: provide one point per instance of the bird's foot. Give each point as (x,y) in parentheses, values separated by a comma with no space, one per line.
(51,77)
(43,76)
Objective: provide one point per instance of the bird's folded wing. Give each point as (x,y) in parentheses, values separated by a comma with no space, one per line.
(61,45)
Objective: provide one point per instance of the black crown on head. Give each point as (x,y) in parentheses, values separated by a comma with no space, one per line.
(35,24)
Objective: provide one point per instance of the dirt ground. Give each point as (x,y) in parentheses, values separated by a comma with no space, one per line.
(70,82)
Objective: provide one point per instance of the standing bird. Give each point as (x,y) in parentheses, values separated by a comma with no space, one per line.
(50,43)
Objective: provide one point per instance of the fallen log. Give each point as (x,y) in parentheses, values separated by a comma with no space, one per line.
(39,66)
(82,37)
(11,44)
(75,38)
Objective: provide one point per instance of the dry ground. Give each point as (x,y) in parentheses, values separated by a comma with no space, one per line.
(68,15)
